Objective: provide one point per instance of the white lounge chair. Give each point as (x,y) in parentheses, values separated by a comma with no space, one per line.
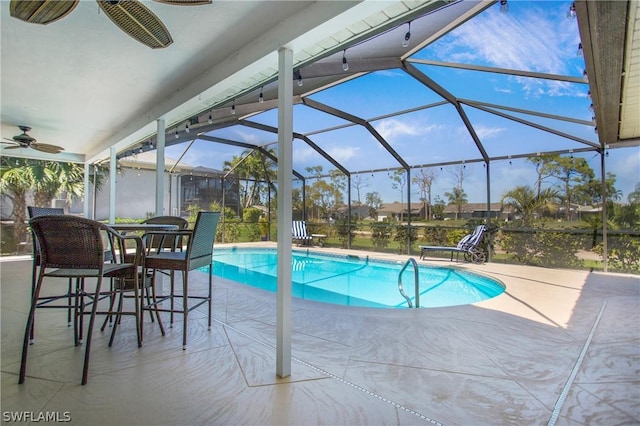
(299,233)
(468,246)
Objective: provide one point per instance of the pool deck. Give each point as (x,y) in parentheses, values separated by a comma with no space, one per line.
(558,347)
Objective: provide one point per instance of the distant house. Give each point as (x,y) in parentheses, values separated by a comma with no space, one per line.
(184,186)
(578,212)
(478,210)
(203,186)
(400,211)
(360,212)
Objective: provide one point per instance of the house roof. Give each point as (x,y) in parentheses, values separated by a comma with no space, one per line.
(474,207)
(147,160)
(400,208)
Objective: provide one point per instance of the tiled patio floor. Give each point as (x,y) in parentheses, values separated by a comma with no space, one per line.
(558,347)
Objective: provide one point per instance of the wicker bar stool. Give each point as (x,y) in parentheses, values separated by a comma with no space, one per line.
(198,253)
(46,302)
(74,247)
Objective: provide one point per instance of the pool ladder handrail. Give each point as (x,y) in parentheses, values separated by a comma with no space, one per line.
(410,261)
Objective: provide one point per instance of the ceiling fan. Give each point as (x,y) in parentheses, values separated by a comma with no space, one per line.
(26,141)
(131,16)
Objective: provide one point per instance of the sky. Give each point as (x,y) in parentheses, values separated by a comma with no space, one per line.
(533,36)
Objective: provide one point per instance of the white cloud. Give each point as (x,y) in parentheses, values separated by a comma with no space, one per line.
(343,153)
(303,153)
(531,42)
(392,128)
(391,73)
(527,39)
(248,137)
(485,133)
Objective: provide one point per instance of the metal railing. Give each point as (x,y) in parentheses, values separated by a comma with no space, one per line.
(410,261)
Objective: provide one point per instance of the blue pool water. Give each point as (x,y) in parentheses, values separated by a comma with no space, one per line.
(355,281)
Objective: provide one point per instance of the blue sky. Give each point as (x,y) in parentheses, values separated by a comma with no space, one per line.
(532,36)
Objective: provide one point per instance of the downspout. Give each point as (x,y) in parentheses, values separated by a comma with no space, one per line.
(349,209)
(304,199)
(224,178)
(87,191)
(113,170)
(488,215)
(160,165)
(605,249)
(408,171)
(95,191)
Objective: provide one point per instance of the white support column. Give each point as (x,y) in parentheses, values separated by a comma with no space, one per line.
(160,168)
(285,169)
(87,192)
(113,171)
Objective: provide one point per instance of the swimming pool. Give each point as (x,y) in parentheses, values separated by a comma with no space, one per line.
(353,280)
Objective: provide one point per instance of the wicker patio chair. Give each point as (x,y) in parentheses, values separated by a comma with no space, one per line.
(166,242)
(198,253)
(74,247)
(158,243)
(46,302)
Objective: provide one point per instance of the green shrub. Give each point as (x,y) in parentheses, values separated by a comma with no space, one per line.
(381,234)
(345,231)
(251,216)
(623,253)
(435,236)
(405,236)
(549,249)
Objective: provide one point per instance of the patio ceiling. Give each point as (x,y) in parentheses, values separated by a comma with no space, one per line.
(83,84)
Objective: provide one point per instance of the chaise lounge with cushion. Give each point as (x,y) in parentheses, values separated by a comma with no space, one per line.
(468,246)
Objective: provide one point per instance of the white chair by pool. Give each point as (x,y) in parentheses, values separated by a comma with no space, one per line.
(299,233)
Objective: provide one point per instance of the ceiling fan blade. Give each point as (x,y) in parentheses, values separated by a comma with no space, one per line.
(41,12)
(45,147)
(185,2)
(15,147)
(138,21)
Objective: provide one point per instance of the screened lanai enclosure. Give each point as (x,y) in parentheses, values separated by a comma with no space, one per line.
(418,123)
(412,121)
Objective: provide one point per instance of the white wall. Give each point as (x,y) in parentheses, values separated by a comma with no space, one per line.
(135,195)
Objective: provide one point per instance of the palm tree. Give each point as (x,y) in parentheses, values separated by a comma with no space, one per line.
(52,179)
(253,167)
(524,200)
(634,196)
(457,197)
(47,179)
(16,179)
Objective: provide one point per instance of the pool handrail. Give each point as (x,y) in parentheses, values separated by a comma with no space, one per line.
(410,261)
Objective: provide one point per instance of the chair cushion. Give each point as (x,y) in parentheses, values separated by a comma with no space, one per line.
(166,260)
